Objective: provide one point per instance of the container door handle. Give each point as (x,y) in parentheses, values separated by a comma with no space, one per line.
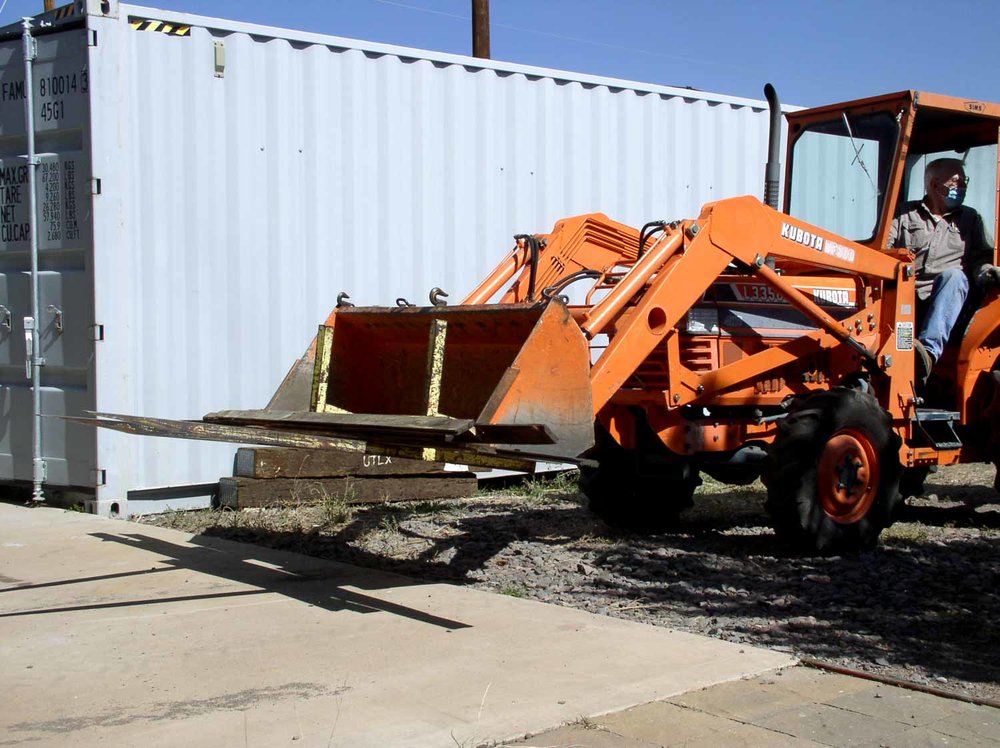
(29,345)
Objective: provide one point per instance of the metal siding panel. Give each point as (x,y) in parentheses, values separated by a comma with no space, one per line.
(236,208)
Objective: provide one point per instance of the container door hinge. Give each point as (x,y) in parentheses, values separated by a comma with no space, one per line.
(99,477)
(98,332)
(95,186)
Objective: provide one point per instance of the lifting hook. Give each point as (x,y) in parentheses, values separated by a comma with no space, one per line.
(343,300)
(438,297)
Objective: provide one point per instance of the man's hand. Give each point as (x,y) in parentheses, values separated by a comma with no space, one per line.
(989,275)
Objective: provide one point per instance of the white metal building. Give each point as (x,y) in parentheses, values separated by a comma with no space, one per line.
(210,186)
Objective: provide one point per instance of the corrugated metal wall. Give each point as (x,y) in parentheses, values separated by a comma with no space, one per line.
(235,208)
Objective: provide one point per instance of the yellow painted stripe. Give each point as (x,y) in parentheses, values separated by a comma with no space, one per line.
(141,24)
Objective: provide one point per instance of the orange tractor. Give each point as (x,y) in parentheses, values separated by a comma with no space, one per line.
(747,342)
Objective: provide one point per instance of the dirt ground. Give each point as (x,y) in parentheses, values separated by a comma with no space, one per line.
(922,607)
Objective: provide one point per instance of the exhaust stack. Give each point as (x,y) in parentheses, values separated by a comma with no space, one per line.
(772,172)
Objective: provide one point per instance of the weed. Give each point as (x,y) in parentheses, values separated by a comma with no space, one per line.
(512,590)
(540,490)
(906,532)
(390,524)
(336,509)
(427,507)
(586,723)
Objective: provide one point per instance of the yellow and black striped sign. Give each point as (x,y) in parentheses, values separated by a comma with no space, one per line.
(65,11)
(162,27)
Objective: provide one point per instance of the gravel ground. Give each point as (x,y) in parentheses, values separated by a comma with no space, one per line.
(923,607)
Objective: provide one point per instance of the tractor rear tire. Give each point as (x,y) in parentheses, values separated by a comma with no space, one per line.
(833,482)
(627,497)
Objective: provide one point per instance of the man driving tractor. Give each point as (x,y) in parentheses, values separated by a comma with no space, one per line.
(954,252)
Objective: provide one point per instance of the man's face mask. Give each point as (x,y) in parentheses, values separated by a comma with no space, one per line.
(953,193)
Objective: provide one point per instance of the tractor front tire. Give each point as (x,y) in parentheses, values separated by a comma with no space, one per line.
(833,481)
(627,497)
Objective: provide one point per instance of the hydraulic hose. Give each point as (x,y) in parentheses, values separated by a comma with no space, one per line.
(550,291)
(534,247)
(651,228)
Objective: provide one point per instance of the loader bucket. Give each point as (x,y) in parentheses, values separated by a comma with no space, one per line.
(495,364)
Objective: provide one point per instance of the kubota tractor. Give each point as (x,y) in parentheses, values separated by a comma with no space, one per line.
(746,342)
(749,341)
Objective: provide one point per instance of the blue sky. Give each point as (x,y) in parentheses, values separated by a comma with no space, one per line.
(814,51)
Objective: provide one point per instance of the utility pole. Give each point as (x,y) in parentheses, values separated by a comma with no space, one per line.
(481,28)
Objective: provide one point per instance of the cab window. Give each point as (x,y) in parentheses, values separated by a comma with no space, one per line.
(980,164)
(840,169)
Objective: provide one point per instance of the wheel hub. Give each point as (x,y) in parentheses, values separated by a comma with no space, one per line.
(848,476)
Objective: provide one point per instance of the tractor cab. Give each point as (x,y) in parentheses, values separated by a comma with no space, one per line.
(850,166)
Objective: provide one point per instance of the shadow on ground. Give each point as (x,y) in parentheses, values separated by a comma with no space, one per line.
(926,599)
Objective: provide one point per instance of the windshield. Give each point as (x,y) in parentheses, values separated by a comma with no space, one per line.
(840,169)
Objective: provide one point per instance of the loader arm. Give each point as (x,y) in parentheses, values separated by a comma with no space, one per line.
(742,230)
(590,243)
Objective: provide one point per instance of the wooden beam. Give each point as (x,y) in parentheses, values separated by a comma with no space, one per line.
(252,462)
(242,493)
(362,425)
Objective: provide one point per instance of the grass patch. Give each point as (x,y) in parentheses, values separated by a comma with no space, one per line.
(907,532)
(511,589)
(539,490)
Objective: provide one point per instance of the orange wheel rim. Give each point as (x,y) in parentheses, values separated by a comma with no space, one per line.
(848,476)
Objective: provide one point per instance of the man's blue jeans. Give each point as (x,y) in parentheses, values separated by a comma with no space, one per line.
(947,298)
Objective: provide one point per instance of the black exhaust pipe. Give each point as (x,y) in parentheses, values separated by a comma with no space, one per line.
(772,172)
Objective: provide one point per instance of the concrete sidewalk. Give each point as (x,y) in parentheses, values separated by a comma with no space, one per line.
(796,706)
(125,634)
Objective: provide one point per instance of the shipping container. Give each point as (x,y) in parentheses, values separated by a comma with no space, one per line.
(206,188)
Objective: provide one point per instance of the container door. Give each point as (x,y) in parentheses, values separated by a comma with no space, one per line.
(60,97)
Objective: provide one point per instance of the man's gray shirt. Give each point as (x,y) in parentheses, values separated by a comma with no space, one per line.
(958,239)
